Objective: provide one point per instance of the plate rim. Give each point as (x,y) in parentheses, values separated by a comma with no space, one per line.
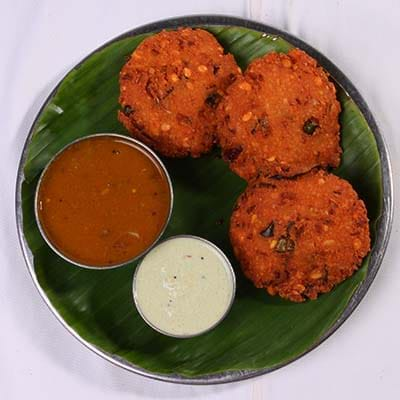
(384,223)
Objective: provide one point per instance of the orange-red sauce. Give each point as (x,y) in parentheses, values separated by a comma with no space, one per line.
(103,201)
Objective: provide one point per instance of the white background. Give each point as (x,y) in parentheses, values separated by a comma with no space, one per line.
(39,42)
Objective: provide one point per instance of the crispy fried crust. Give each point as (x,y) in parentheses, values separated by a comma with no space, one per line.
(300,237)
(170,89)
(280,118)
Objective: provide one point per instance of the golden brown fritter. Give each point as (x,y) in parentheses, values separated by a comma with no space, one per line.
(300,237)
(170,89)
(280,118)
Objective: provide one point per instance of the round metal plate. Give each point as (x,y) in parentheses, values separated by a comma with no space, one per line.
(383,226)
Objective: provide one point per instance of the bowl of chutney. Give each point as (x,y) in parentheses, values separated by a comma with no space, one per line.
(103,201)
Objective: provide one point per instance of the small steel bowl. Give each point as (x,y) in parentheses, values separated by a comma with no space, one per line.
(145,149)
(228,268)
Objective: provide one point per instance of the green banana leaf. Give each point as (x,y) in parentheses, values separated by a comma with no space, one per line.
(260,331)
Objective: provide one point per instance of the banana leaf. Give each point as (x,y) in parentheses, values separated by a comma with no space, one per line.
(260,331)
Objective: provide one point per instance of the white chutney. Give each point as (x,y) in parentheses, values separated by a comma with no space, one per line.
(184,286)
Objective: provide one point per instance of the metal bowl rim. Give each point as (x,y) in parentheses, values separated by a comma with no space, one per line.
(150,154)
(228,267)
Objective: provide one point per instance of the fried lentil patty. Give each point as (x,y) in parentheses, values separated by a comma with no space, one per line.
(170,88)
(280,118)
(300,237)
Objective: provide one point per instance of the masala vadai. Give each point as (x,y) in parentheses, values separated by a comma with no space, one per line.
(280,118)
(170,89)
(300,237)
